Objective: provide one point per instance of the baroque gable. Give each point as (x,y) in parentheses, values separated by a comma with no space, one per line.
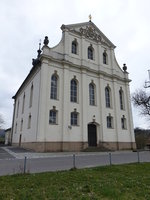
(88,30)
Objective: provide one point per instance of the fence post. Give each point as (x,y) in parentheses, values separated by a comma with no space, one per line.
(25,163)
(110,161)
(74,161)
(138,155)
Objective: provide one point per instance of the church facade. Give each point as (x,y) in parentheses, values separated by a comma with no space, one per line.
(76,96)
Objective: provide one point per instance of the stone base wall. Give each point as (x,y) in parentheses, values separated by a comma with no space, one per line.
(118,145)
(75,146)
(54,146)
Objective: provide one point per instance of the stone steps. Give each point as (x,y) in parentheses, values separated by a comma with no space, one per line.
(96,149)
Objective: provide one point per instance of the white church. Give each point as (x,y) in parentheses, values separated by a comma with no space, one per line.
(75,97)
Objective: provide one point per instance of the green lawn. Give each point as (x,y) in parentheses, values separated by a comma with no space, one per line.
(112,182)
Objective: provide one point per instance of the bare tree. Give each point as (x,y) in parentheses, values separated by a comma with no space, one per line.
(141,100)
(1,121)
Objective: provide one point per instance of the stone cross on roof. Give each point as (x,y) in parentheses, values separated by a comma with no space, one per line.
(90,17)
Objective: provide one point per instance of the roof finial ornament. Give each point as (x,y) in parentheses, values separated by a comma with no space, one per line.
(40,44)
(39,50)
(46,41)
(37,60)
(124,68)
(90,17)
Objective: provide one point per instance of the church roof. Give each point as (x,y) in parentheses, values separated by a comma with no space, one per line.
(90,31)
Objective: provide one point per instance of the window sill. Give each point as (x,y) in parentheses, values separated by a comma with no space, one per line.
(92,105)
(74,102)
(109,107)
(92,61)
(54,99)
(75,54)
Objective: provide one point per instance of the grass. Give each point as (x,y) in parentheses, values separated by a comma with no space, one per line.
(118,182)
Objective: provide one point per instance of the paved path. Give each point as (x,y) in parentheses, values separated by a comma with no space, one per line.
(4,154)
(12,160)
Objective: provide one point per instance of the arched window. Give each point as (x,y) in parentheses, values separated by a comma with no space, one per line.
(16,128)
(92,94)
(21,126)
(74,118)
(109,121)
(17,109)
(74,47)
(105,58)
(31,96)
(73,90)
(90,53)
(29,121)
(54,86)
(53,116)
(107,97)
(123,122)
(23,103)
(121,99)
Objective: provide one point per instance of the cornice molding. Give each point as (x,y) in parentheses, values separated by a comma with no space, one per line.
(83,67)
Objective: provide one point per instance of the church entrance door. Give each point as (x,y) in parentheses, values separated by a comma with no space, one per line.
(92,135)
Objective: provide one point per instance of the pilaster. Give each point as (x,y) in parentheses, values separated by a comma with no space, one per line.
(65,103)
(43,97)
(117,120)
(84,101)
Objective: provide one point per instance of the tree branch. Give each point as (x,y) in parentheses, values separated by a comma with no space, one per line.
(141,100)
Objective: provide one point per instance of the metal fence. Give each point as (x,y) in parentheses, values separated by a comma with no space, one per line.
(66,161)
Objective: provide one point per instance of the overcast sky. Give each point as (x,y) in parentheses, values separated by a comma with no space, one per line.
(25,22)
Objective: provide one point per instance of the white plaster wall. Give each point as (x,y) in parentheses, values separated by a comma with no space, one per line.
(28,134)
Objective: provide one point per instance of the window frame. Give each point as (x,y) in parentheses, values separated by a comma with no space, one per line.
(54,87)
(21,125)
(74,118)
(31,96)
(23,103)
(18,104)
(121,99)
(74,47)
(16,126)
(123,123)
(53,119)
(105,58)
(92,99)
(109,119)
(107,97)
(90,53)
(74,90)
(29,121)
